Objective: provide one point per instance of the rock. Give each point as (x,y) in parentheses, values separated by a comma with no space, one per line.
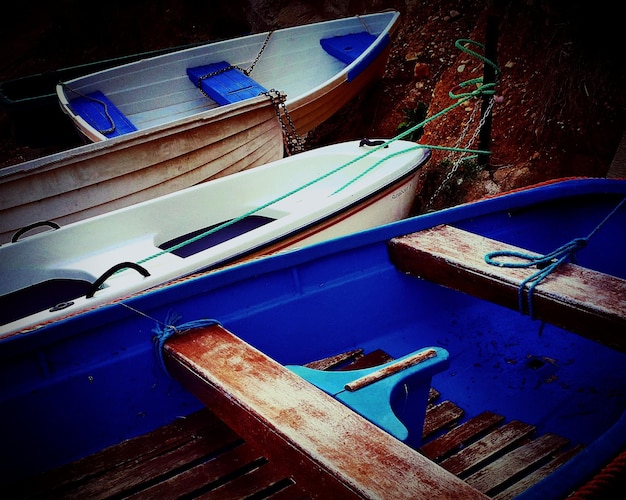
(421,71)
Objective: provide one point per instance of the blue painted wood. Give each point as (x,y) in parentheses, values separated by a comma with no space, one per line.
(226,87)
(347,48)
(94,107)
(369,58)
(383,402)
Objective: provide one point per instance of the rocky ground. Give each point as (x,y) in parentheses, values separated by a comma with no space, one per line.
(559,109)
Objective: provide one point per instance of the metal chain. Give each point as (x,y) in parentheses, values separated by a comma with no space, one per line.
(464,132)
(258,56)
(481,124)
(232,66)
(363,23)
(458,162)
(292,141)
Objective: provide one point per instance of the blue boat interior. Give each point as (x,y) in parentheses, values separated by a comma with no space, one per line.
(102,114)
(97,379)
(224,83)
(203,239)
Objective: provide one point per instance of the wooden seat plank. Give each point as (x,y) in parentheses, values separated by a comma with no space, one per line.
(332,362)
(533,478)
(369,360)
(289,492)
(252,483)
(205,475)
(461,435)
(578,299)
(98,468)
(133,475)
(328,449)
(485,449)
(515,463)
(433,395)
(440,416)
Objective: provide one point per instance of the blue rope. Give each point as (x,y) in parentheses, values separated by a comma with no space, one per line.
(546,264)
(164,331)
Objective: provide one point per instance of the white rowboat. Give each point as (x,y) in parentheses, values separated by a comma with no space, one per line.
(319,67)
(293,202)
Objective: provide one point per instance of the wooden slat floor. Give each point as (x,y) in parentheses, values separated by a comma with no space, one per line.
(201,457)
(194,457)
(499,458)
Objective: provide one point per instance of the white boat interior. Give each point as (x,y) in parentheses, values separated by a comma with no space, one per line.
(158,90)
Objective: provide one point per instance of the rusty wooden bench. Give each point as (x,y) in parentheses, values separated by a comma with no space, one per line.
(324,446)
(578,299)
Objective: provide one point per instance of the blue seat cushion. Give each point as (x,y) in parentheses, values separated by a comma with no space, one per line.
(226,87)
(93,108)
(347,48)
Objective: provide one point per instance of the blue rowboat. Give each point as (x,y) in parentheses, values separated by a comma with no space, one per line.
(472,386)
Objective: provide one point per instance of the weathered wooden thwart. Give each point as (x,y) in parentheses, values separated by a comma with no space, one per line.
(328,449)
(293,441)
(578,299)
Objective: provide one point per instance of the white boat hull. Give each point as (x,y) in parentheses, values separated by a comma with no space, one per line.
(302,199)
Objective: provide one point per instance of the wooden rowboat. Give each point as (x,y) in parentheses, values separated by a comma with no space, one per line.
(487,401)
(319,67)
(96,178)
(294,201)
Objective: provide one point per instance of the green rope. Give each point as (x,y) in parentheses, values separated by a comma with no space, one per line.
(546,264)
(459,45)
(271,202)
(485,88)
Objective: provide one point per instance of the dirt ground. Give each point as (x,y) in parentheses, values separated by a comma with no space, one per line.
(559,108)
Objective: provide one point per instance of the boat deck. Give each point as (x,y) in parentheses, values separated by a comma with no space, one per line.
(199,456)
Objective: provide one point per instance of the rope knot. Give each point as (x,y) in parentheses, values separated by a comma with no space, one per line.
(545,265)
(163,331)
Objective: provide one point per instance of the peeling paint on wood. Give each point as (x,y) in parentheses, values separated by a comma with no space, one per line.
(581,300)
